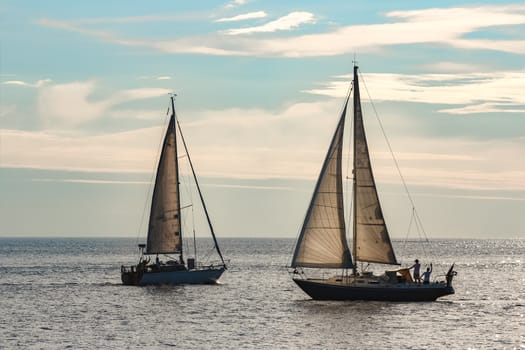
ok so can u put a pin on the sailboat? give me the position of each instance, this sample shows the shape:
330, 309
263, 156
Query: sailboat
322, 242
165, 227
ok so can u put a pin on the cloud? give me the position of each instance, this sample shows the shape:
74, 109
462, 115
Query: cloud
290, 21
449, 67
253, 187
243, 17
100, 34
159, 77
141, 114
456, 163
71, 104
132, 151
485, 108
37, 84
235, 3
430, 26
6, 110
214, 138
461, 196
466, 179
141, 19
289, 143
93, 181
136, 94
480, 92
445, 26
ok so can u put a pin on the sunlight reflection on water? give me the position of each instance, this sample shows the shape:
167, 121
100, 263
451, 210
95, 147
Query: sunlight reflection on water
66, 293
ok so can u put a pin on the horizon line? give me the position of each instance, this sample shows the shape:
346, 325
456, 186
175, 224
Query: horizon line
515, 236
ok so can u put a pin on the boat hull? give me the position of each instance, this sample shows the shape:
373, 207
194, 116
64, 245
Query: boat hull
324, 290
200, 276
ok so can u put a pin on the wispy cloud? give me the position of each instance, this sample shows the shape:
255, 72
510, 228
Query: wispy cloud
72, 104
450, 67
156, 77
460, 196
290, 21
270, 151
37, 84
235, 3
141, 19
94, 181
486, 108
6, 110
479, 92
132, 151
466, 179
446, 26
253, 187
243, 17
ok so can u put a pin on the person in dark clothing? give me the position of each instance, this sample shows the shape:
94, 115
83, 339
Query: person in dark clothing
416, 267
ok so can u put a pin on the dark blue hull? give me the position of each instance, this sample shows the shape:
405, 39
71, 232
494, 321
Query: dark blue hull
324, 290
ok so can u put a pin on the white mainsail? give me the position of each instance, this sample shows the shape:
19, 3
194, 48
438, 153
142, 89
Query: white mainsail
164, 231
322, 241
372, 242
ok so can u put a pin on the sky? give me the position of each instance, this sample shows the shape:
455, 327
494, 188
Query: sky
260, 85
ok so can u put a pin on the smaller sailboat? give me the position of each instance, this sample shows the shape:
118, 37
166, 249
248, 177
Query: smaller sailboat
165, 226
322, 242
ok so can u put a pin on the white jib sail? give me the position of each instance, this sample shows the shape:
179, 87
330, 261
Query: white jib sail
322, 241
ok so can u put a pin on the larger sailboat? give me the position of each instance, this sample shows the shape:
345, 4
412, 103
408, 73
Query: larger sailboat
322, 242
165, 226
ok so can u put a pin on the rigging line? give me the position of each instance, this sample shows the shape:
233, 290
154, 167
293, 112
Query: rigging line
420, 228
190, 192
194, 238
393, 157
151, 181
208, 254
187, 188
200, 195
413, 221
421, 224
409, 227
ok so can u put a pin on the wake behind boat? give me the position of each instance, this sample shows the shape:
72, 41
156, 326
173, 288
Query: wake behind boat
165, 227
322, 242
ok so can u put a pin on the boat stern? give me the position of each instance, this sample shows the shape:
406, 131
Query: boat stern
130, 277
450, 276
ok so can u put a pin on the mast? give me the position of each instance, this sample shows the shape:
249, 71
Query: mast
174, 115
201, 198
354, 177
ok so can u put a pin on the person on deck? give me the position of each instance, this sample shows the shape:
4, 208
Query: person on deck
426, 275
158, 262
416, 268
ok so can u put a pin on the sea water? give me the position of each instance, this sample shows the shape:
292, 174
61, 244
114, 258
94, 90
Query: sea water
61, 293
